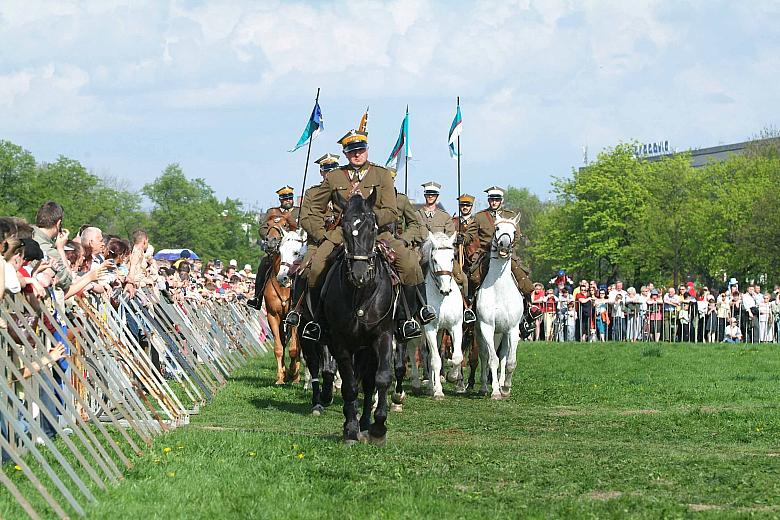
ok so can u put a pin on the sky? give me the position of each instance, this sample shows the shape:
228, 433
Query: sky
226, 88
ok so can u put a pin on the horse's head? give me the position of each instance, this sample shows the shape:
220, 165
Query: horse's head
439, 252
504, 236
273, 238
292, 248
358, 223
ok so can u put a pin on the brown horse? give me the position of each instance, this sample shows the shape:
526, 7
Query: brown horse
277, 304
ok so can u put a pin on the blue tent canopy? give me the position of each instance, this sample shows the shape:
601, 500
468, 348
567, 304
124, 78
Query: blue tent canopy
174, 254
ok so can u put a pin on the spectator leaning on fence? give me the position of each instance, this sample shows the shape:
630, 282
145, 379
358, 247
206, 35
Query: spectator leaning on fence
52, 238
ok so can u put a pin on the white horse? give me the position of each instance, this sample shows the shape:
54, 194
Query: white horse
499, 311
444, 296
292, 249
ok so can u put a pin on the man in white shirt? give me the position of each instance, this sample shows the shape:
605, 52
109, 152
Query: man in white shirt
732, 333
750, 315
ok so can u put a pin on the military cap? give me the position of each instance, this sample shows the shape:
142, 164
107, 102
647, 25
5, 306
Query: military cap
494, 192
431, 188
354, 140
466, 200
285, 192
393, 172
328, 162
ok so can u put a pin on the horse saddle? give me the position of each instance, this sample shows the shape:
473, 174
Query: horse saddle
386, 250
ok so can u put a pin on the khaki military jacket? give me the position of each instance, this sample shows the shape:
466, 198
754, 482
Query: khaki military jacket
483, 225
286, 218
436, 221
408, 226
370, 177
306, 214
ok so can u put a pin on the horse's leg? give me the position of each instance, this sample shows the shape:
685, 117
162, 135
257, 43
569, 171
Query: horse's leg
328, 365
378, 430
274, 325
503, 350
425, 363
349, 393
457, 354
488, 357
431, 333
473, 348
367, 367
311, 353
400, 372
412, 348
294, 372
511, 362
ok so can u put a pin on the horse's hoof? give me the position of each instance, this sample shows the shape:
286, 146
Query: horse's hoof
317, 410
279, 382
482, 391
378, 441
363, 437
460, 388
398, 398
505, 391
397, 407
438, 396
497, 396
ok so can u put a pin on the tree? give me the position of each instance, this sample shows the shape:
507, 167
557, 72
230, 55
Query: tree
17, 166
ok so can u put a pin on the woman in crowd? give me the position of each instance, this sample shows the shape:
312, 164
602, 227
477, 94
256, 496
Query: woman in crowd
585, 314
723, 309
711, 321
633, 315
655, 315
764, 313
602, 315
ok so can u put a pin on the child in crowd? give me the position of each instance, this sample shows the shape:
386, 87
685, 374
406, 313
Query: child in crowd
571, 322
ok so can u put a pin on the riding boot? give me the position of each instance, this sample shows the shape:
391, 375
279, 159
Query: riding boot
293, 318
262, 274
530, 314
408, 328
427, 314
312, 330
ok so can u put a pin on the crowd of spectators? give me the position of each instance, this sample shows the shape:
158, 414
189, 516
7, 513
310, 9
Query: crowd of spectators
48, 265
589, 312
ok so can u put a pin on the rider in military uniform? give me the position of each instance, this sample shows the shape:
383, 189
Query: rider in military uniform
286, 216
436, 220
364, 177
481, 228
327, 163
408, 227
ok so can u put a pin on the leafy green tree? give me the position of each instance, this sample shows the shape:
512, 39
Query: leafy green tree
17, 166
186, 213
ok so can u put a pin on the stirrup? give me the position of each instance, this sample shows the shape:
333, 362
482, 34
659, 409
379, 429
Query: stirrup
469, 316
409, 329
311, 331
526, 328
427, 314
293, 318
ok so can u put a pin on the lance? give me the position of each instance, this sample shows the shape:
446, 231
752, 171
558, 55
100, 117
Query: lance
306, 168
460, 221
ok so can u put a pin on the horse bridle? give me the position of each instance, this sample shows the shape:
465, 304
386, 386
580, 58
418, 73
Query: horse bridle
293, 267
434, 270
506, 250
370, 257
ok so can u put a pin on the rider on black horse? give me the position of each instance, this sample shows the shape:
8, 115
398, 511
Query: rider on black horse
362, 176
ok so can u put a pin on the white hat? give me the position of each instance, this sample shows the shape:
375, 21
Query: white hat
495, 192
233, 263
431, 188
248, 267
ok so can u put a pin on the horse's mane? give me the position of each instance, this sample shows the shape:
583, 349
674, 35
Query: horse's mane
435, 240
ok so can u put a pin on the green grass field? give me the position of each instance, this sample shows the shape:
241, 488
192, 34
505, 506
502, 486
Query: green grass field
598, 430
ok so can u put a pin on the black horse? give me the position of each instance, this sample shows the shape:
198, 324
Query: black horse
358, 306
316, 353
